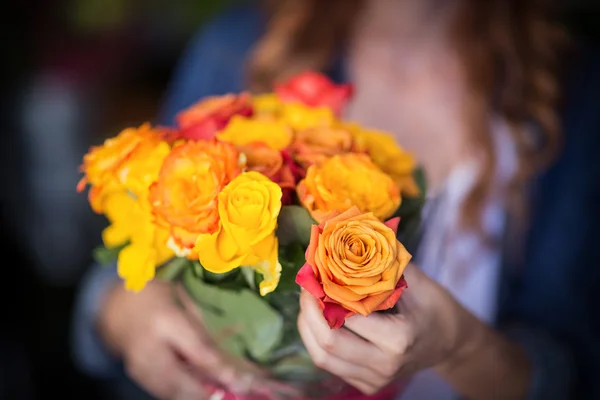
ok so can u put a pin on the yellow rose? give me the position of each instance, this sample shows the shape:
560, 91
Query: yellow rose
348, 180
132, 221
243, 131
248, 209
136, 266
120, 208
301, 117
266, 105
138, 261
391, 158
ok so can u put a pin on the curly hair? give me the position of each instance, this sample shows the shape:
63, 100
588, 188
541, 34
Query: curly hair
510, 50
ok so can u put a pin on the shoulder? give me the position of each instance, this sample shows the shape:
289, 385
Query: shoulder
236, 28
564, 211
223, 44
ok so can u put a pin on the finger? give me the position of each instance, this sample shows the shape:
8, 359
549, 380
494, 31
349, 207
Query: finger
418, 289
161, 373
191, 344
221, 368
196, 319
392, 334
339, 341
187, 385
332, 363
364, 387
413, 274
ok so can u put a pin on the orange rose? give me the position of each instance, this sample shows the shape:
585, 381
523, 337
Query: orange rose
348, 180
276, 165
185, 195
390, 157
354, 265
101, 164
261, 158
205, 118
315, 145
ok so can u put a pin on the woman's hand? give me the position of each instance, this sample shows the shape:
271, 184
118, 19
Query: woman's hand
431, 330
164, 348
371, 352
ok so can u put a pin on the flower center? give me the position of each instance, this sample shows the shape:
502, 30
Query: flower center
357, 247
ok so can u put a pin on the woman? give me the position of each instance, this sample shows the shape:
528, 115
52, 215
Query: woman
500, 304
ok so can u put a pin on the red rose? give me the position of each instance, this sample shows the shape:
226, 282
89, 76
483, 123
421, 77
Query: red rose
205, 118
290, 174
315, 90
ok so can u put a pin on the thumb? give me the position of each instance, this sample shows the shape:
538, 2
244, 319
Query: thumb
414, 275
382, 330
202, 355
189, 387
418, 288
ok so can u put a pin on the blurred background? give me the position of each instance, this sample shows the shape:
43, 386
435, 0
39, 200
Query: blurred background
75, 72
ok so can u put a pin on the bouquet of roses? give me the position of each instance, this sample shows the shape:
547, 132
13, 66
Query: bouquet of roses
247, 199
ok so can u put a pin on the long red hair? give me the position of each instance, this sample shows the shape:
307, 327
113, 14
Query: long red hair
510, 50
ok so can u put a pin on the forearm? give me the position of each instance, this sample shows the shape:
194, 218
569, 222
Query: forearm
488, 366
89, 350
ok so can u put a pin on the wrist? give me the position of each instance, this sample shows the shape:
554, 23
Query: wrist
107, 320
485, 359
470, 339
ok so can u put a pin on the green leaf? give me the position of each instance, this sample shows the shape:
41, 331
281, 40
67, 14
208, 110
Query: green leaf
104, 255
292, 255
413, 205
211, 277
291, 258
198, 269
294, 226
225, 334
297, 367
421, 179
173, 269
409, 231
410, 213
291, 345
287, 303
241, 321
250, 276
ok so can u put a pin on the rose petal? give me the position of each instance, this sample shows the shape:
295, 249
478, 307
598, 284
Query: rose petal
394, 297
306, 279
337, 97
335, 314
393, 224
202, 131
315, 90
335, 216
315, 231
